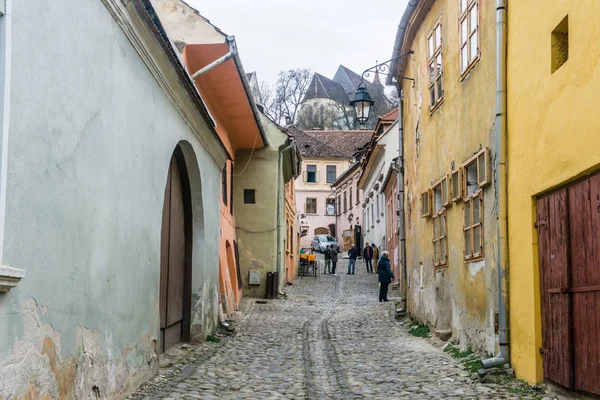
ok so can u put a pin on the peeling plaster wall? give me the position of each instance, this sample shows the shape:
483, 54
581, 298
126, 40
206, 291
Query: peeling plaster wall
462, 297
92, 133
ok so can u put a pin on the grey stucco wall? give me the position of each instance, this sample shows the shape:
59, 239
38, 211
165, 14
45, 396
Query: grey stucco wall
91, 136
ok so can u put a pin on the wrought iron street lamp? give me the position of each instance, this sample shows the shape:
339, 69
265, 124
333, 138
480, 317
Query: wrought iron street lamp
362, 101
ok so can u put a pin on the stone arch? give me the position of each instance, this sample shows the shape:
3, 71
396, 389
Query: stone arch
175, 295
197, 235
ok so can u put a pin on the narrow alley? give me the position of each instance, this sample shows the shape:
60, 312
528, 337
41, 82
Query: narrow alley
328, 339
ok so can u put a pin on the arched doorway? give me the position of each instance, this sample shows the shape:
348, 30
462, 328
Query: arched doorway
175, 256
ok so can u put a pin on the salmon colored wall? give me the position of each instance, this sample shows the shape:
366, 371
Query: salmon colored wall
230, 294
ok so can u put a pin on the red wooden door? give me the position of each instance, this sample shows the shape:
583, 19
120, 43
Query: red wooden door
554, 276
584, 224
172, 269
569, 253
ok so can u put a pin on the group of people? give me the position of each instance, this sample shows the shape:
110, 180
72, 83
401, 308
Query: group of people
370, 254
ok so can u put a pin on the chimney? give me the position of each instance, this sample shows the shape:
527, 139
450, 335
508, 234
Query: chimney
288, 120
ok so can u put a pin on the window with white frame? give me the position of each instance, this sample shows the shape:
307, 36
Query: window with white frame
345, 202
434, 62
469, 34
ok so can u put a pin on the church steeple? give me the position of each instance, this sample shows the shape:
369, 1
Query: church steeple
376, 80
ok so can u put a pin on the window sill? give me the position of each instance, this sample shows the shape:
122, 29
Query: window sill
476, 258
436, 106
463, 75
310, 214
10, 278
440, 266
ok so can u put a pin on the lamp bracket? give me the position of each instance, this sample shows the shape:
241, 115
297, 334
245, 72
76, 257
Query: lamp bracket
383, 67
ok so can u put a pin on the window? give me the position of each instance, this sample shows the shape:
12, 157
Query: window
249, 196
473, 226
224, 183
426, 203
311, 175
456, 183
440, 241
331, 173
330, 206
345, 203
475, 172
560, 44
339, 207
311, 206
440, 196
377, 200
434, 57
350, 197
231, 189
357, 194
469, 34
372, 216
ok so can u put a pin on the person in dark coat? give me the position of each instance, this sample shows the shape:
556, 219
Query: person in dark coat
352, 255
327, 254
386, 276
333, 253
368, 257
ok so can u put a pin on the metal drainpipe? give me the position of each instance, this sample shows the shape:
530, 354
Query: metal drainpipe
503, 356
400, 187
232, 53
280, 204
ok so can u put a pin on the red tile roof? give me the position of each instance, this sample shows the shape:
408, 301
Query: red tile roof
346, 142
391, 116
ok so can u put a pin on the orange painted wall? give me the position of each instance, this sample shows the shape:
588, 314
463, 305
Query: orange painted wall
291, 242
230, 292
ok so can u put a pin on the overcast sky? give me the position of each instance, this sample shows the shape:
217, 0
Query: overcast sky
274, 35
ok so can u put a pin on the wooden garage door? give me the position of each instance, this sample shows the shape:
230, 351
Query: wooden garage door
172, 269
568, 226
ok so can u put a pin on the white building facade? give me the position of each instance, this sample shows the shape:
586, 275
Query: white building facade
376, 164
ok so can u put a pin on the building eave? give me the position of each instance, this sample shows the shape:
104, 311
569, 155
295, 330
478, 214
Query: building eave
146, 12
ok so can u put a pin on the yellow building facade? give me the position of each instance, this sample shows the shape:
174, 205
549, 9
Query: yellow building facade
449, 113
553, 140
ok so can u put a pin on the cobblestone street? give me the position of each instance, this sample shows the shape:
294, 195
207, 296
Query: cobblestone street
329, 338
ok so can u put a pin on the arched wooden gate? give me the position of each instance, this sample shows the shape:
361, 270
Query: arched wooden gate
175, 258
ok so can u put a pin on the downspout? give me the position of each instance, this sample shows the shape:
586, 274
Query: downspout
5, 122
400, 185
232, 53
502, 188
280, 203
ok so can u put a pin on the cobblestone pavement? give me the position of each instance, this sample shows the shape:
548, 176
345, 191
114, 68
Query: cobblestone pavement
329, 338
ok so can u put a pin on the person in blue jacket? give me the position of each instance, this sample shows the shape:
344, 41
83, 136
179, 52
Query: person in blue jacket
386, 276
352, 256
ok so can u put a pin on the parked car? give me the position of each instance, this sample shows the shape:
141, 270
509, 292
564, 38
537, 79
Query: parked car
320, 242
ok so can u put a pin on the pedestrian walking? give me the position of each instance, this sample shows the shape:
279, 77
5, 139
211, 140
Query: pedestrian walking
334, 258
352, 256
327, 254
386, 276
375, 256
368, 257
